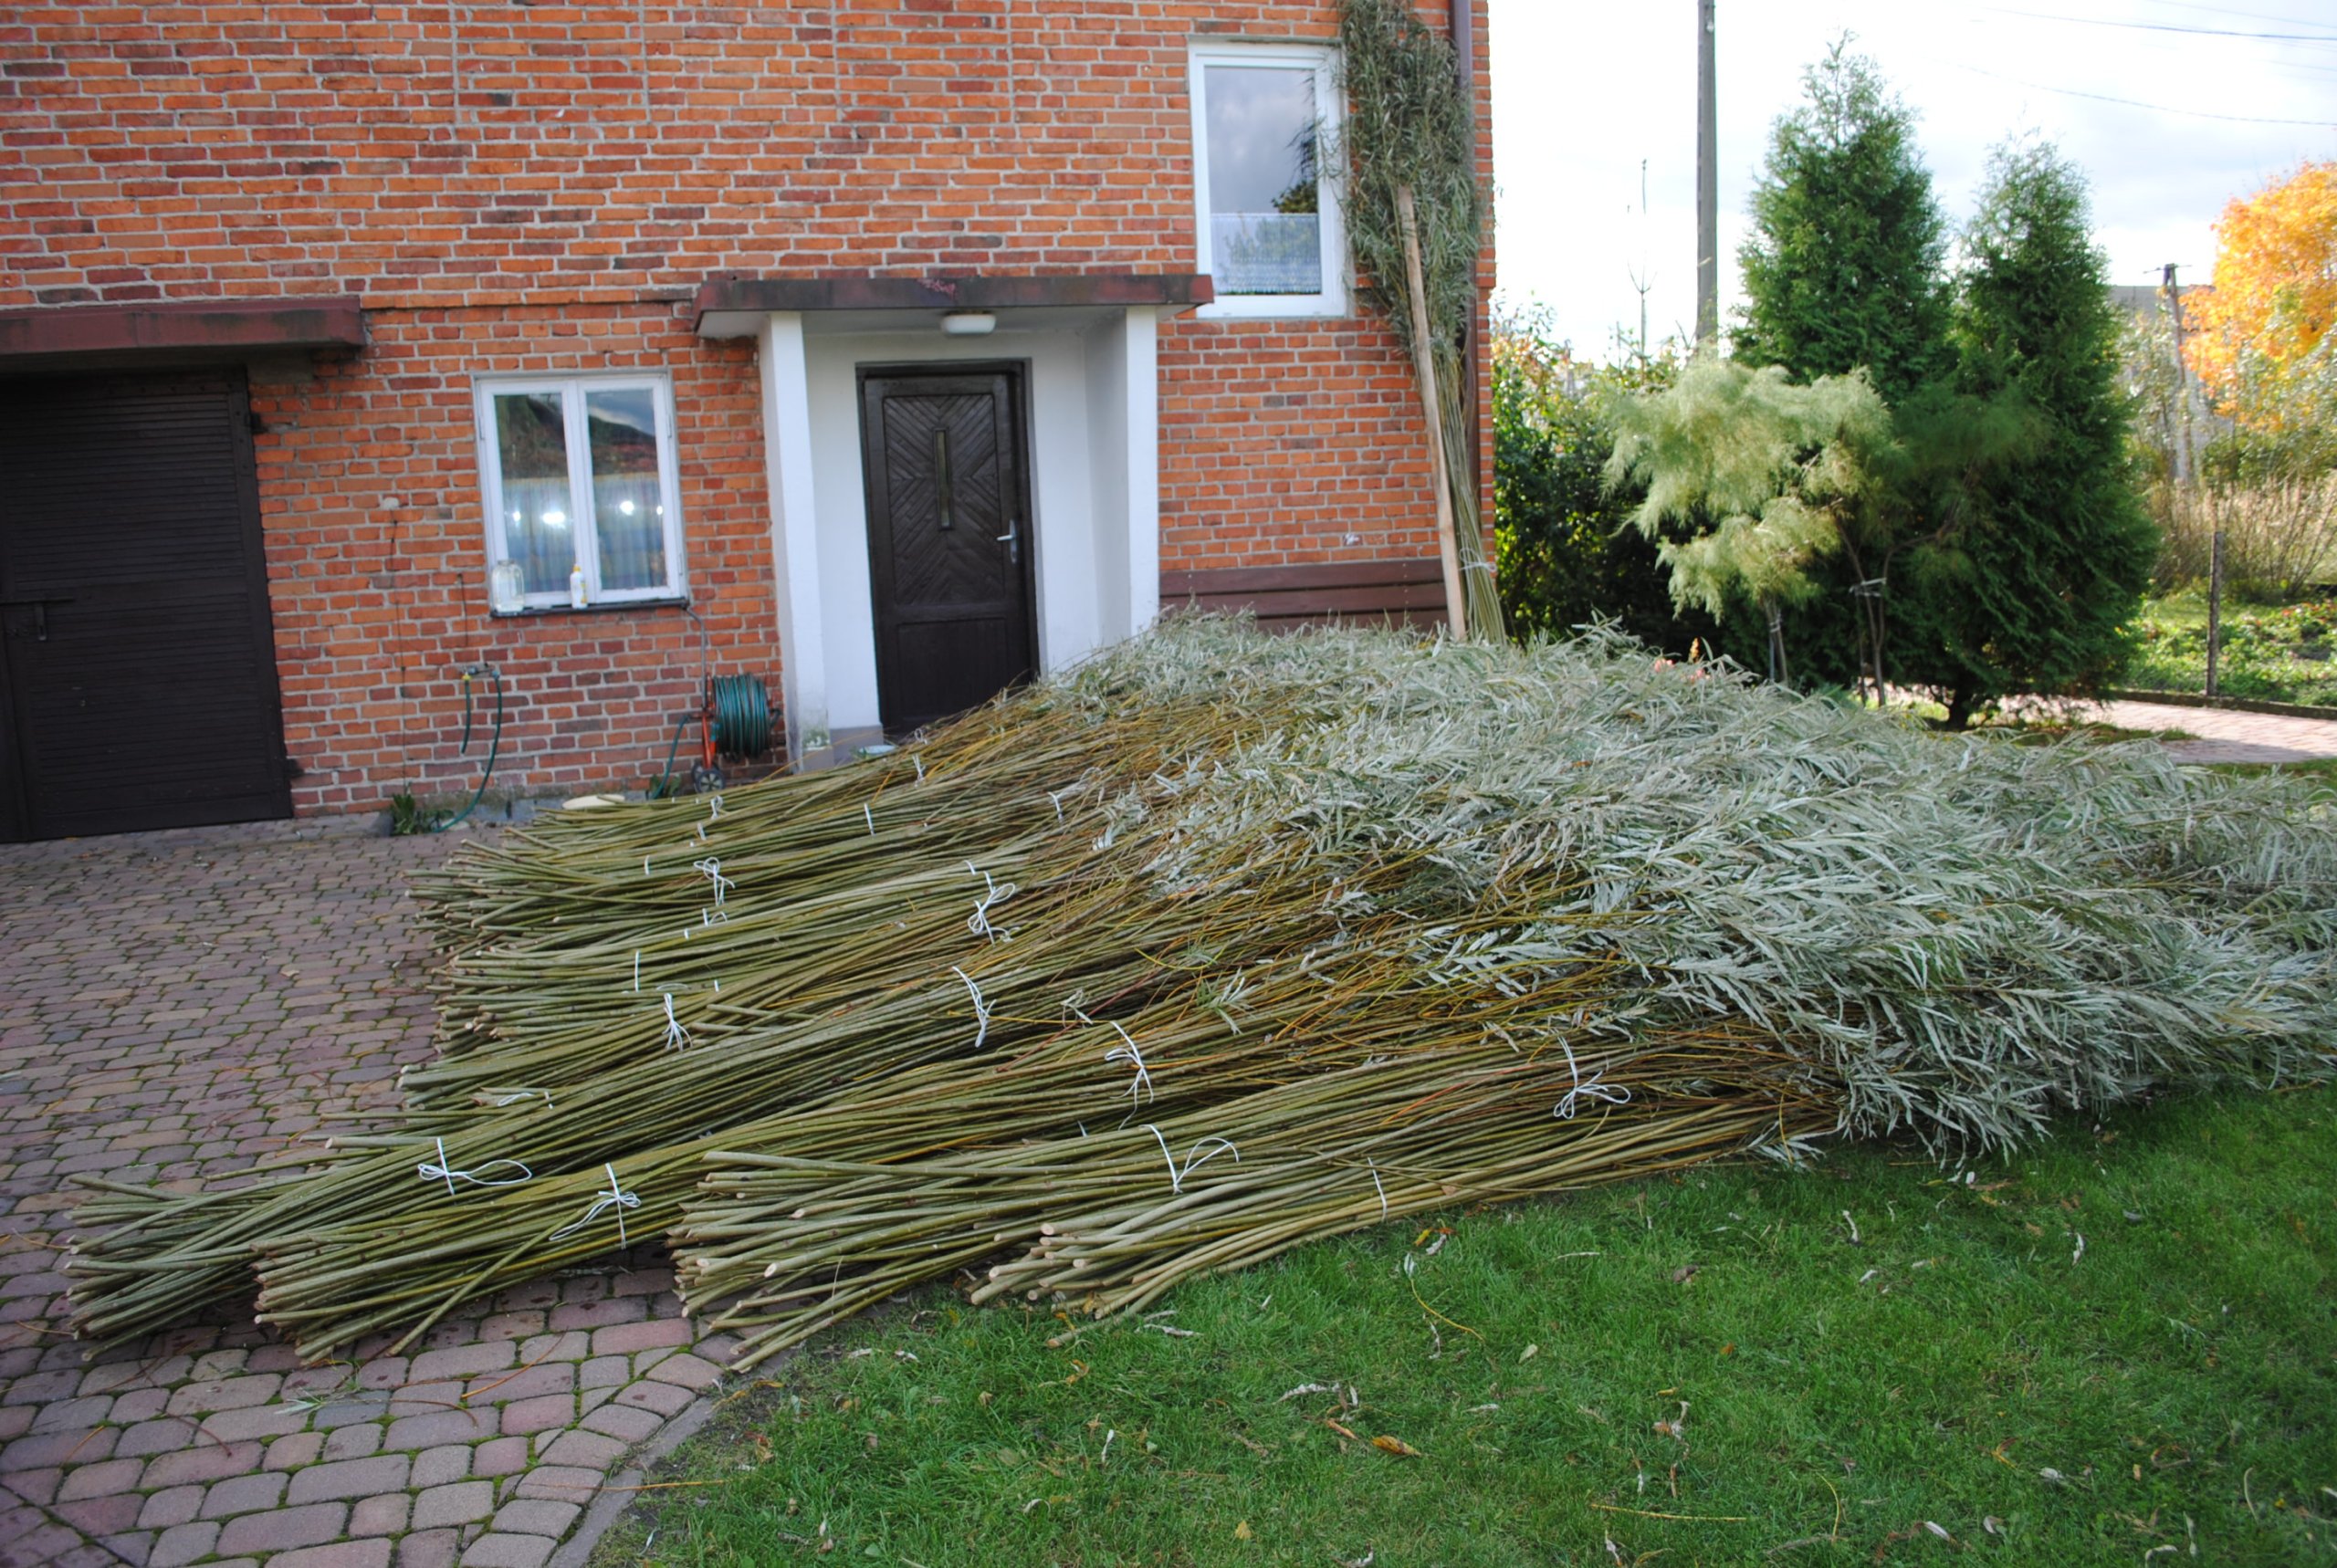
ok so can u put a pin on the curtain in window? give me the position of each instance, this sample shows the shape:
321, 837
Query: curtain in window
538, 512
628, 500
1265, 228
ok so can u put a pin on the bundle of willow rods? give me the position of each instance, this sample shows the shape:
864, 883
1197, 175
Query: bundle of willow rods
1224, 942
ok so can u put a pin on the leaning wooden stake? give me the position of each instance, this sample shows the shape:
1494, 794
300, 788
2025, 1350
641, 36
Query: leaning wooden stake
1448, 544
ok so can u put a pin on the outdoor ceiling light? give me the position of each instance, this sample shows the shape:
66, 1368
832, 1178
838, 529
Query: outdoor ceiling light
969, 323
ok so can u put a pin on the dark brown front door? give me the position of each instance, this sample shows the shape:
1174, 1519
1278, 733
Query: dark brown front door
949, 537
137, 661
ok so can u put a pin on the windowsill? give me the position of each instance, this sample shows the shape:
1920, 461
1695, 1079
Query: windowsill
671, 601
1271, 308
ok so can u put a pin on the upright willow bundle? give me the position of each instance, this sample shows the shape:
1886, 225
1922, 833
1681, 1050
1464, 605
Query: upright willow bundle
1415, 217
1224, 942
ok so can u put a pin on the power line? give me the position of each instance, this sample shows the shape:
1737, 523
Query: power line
2228, 11
2137, 103
2164, 26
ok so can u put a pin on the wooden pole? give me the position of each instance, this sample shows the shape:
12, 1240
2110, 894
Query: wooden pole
2215, 607
1707, 179
1447, 546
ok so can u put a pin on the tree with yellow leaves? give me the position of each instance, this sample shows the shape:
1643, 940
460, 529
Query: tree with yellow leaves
2263, 346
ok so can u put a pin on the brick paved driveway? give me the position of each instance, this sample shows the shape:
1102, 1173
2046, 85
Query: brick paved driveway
173, 1005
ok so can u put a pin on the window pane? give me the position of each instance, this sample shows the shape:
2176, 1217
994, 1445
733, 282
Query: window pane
1265, 233
532, 442
628, 502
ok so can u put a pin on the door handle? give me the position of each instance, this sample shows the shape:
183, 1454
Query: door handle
39, 608
1013, 539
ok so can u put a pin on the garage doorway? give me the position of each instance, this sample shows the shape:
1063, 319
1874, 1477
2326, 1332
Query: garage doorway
138, 683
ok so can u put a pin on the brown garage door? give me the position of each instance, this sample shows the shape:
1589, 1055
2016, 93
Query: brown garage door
137, 664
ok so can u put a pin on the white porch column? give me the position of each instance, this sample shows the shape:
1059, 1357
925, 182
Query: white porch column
795, 529
1142, 435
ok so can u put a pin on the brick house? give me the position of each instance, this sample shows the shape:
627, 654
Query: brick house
888, 351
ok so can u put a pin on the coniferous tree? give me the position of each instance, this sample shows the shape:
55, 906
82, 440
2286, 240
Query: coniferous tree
1843, 270
2058, 549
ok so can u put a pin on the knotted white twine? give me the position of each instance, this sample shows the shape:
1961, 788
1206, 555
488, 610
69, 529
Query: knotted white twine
1134, 1057
518, 1095
711, 869
979, 922
677, 1037
982, 1009
442, 1171
1378, 1188
617, 1196
1594, 1089
1193, 1156
714, 806
870, 816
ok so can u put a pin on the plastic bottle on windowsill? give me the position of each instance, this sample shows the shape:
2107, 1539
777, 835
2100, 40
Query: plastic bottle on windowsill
576, 586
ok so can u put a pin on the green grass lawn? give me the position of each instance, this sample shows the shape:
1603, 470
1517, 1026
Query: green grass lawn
2112, 1348
2259, 650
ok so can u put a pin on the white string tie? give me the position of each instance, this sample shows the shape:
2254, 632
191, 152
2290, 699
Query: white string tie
1593, 1090
870, 816
514, 1098
677, 1037
714, 806
614, 1197
1193, 1156
636, 969
645, 865
918, 763
1134, 1057
982, 1009
1378, 1188
711, 869
442, 1171
701, 832
1056, 801
979, 922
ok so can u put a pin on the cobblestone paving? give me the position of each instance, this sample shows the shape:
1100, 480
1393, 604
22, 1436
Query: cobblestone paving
174, 1007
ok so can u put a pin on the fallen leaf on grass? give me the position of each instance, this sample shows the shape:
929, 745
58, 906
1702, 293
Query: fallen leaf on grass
1242, 1531
1682, 1275
1397, 1446
1342, 1431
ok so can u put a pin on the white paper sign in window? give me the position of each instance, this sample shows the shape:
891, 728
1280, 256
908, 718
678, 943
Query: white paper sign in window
579, 474
1265, 117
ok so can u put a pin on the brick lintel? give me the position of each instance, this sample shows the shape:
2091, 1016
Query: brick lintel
227, 329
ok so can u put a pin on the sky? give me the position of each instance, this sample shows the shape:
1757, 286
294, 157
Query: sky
1584, 92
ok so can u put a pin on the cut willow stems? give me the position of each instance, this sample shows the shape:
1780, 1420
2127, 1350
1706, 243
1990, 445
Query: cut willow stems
1371, 910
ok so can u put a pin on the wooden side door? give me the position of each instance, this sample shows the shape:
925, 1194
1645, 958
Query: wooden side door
137, 685
949, 538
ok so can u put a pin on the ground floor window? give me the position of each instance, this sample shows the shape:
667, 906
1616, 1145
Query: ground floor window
579, 475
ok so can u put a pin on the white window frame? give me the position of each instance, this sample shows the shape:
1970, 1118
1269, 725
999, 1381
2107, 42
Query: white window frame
572, 391
1321, 59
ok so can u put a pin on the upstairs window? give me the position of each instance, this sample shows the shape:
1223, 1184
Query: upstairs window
580, 476
1265, 117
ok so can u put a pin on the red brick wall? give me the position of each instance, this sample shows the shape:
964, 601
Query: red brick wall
511, 185
377, 560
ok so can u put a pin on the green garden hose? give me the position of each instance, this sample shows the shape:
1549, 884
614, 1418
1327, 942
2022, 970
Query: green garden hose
495, 741
742, 716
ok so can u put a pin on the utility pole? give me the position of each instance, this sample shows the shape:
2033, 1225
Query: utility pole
2182, 433
1707, 180
1642, 278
